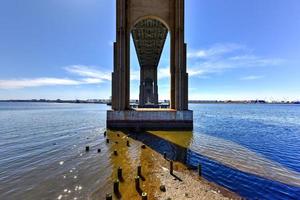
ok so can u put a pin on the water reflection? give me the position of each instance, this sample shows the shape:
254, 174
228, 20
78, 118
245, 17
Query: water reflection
174, 151
232, 155
226, 163
128, 158
41, 143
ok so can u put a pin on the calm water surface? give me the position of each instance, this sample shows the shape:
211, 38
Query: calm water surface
253, 150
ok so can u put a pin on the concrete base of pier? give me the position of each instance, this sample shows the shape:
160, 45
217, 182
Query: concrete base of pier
150, 119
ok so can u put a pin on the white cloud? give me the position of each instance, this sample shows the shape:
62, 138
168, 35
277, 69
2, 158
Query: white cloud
86, 75
91, 81
37, 82
255, 61
134, 75
217, 59
251, 78
88, 71
163, 72
215, 50
222, 57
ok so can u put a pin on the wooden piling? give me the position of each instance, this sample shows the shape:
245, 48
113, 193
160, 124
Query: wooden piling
128, 143
144, 196
137, 183
115, 152
199, 170
108, 197
107, 141
139, 171
120, 173
87, 148
165, 155
116, 187
171, 167
99, 150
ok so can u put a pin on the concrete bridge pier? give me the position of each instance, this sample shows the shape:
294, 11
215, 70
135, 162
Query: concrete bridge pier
149, 22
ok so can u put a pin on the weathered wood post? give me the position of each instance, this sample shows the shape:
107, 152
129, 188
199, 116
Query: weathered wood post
199, 170
171, 167
108, 197
115, 152
120, 173
116, 187
137, 183
144, 196
139, 171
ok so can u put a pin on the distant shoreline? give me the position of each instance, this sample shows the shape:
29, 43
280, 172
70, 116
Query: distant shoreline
106, 101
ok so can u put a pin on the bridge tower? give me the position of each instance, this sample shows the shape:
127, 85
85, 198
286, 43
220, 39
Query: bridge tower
149, 22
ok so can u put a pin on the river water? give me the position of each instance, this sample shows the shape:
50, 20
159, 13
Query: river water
253, 150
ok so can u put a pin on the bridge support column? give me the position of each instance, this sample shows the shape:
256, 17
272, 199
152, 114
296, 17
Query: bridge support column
171, 14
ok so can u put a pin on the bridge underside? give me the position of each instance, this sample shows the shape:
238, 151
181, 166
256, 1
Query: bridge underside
149, 36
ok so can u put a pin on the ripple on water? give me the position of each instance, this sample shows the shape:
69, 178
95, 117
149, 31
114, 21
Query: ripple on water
251, 149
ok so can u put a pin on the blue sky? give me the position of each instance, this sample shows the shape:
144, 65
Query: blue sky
237, 49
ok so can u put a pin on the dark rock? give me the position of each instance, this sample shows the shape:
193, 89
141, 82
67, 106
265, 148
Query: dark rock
162, 188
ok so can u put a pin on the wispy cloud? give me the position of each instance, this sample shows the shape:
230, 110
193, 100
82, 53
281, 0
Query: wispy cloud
215, 50
85, 75
163, 72
216, 59
222, 57
201, 63
134, 75
36, 82
251, 78
89, 72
